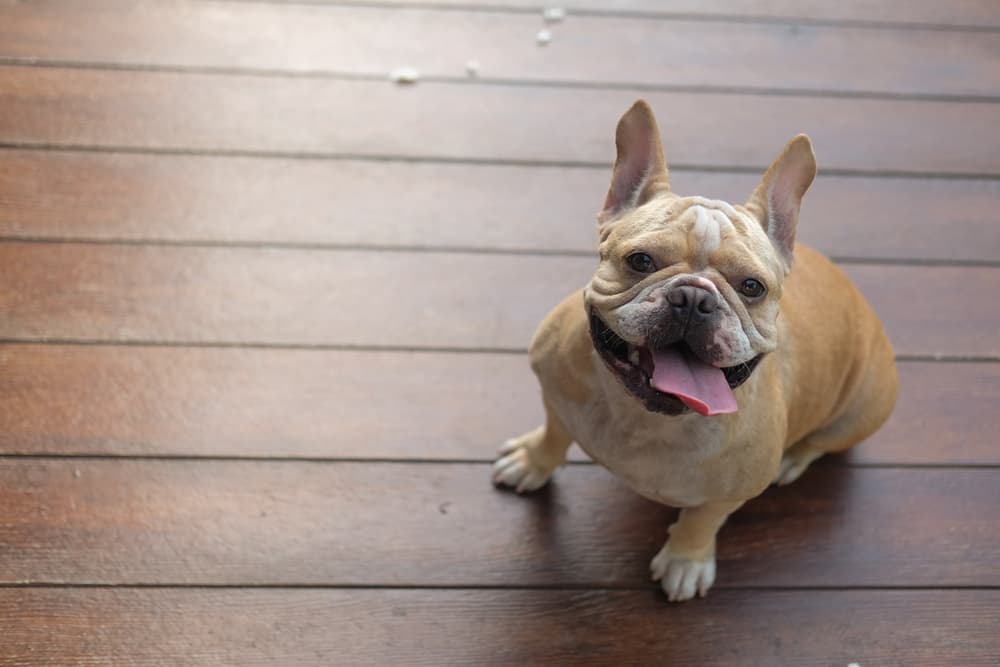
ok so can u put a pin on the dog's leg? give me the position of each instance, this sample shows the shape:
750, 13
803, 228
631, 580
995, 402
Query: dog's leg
798, 457
528, 461
686, 563
871, 405
861, 420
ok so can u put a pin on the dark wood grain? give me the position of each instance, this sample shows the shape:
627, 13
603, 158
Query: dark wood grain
945, 415
399, 299
163, 110
132, 530
66, 400
181, 198
370, 405
226, 522
376, 40
295, 628
970, 13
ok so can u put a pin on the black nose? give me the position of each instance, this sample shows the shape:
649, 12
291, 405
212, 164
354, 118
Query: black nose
687, 301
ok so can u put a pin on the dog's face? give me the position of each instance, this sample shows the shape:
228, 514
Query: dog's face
685, 301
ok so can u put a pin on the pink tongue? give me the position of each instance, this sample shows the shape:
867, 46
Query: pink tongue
703, 388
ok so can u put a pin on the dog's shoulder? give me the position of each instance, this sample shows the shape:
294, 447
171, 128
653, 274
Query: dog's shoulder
561, 353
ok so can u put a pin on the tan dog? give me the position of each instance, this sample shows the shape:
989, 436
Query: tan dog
694, 365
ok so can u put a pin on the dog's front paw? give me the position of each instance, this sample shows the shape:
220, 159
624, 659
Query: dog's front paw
515, 468
682, 578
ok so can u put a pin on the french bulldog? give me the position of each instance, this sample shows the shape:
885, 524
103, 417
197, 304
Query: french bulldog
709, 356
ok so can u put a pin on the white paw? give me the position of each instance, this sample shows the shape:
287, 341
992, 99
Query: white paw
790, 470
682, 578
514, 468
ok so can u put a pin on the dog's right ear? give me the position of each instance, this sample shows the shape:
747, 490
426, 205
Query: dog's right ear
776, 201
640, 171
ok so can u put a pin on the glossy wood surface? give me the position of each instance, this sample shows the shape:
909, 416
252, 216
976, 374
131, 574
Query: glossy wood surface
165, 628
524, 208
263, 316
419, 300
182, 401
976, 14
373, 41
334, 524
175, 111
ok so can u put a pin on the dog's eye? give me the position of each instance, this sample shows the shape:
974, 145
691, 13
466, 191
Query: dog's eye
752, 288
641, 262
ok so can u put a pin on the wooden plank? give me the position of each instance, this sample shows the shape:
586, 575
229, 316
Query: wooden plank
182, 198
938, 417
274, 523
396, 299
370, 405
171, 111
163, 628
205, 402
979, 14
376, 40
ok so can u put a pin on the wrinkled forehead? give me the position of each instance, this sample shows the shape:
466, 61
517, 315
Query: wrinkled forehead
698, 229
707, 219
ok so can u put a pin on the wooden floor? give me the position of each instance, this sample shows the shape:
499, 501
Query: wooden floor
263, 318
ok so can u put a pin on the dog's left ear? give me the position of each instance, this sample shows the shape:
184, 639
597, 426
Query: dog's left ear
640, 171
777, 199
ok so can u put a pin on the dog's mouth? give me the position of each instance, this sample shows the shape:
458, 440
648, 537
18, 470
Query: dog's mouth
671, 380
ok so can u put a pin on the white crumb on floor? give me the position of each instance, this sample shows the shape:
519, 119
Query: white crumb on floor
553, 14
854, 664
472, 68
404, 75
543, 37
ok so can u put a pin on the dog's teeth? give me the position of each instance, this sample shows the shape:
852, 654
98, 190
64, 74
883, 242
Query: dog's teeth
633, 356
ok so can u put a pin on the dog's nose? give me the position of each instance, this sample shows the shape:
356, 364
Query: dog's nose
690, 301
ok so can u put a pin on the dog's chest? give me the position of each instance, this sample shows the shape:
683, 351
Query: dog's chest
659, 458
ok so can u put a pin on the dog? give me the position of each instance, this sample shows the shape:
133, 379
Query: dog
709, 356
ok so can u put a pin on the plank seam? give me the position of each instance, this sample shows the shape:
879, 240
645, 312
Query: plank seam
337, 75
35, 147
444, 249
351, 460
473, 161
252, 345
644, 14
481, 587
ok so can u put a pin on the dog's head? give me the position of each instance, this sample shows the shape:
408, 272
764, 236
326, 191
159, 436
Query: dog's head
685, 301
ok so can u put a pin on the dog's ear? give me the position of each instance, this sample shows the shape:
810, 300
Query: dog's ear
776, 200
640, 171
